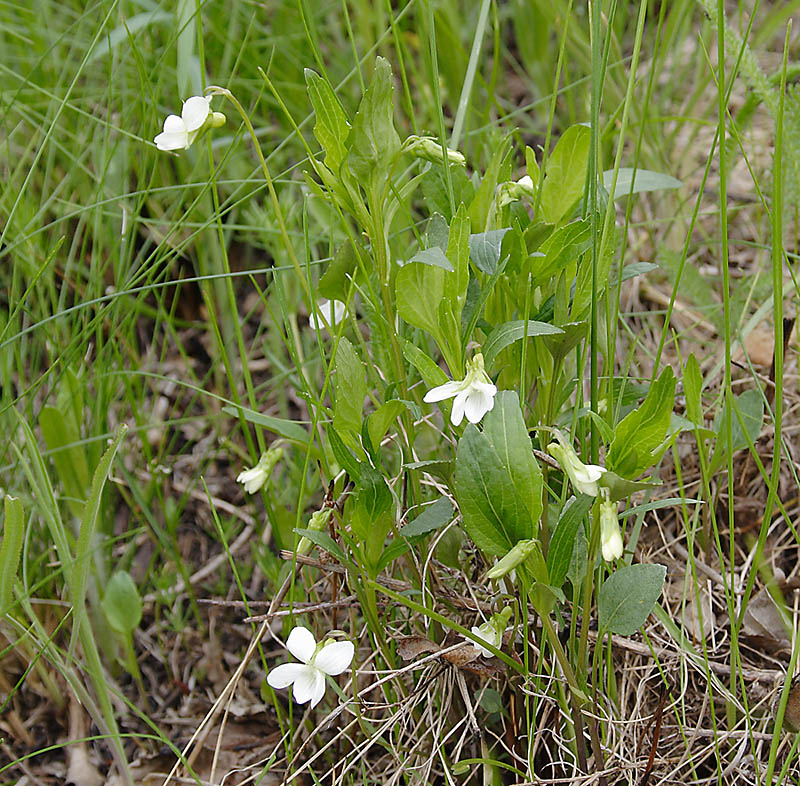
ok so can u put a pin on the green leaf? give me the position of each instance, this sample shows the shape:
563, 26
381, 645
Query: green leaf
750, 405
63, 440
284, 428
122, 604
498, 171
432, 518
432, 256
561, 248
572, 333
485, 247
565, 173
351, 388
420, 289
628, 596
437, 232
509, 332
562, 542
458, 252
372, 499
324, 541
10, 549
619, 488
336, 282
431, 374
641, 432
331, 128
498, 482
577, 563
383, 417
396, 548
435, 192
692, 390
531, 166
346, 460
637, 269
374, 144
642, 180
84, 548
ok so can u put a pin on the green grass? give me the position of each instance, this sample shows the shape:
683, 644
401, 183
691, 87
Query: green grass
170, 294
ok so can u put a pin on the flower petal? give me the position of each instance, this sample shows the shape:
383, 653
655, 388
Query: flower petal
441, 392
284, 675
612, 545
328, 314
459, 405
195, 112
301, 643
334, 658
170, 141
174, 136
309, 686
478, 403
174, 125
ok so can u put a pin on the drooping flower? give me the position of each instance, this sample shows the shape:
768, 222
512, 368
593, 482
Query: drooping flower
329, 314
253, 479
307, 678
610, 536
584, 477
196, 115
491, 632
515, 190
473, 395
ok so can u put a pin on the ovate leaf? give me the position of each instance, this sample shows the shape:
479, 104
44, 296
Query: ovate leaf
484, 248
640, 433
628, 596
565, 173
420, 289
122, 604
351, 388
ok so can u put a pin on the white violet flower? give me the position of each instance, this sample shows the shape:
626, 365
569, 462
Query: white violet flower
610, 536
329, 314
316, 661
180, 132
473, 395
584, 477
515, 190
491, 632
253, 479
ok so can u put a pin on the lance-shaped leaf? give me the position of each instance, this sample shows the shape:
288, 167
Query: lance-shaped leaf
374, 143
498, 482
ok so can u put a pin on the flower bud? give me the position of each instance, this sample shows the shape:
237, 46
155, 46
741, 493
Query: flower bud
317, 522
429, 149
518, 554
253, 479
515, 190
584, 477
492, 632
610, 536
